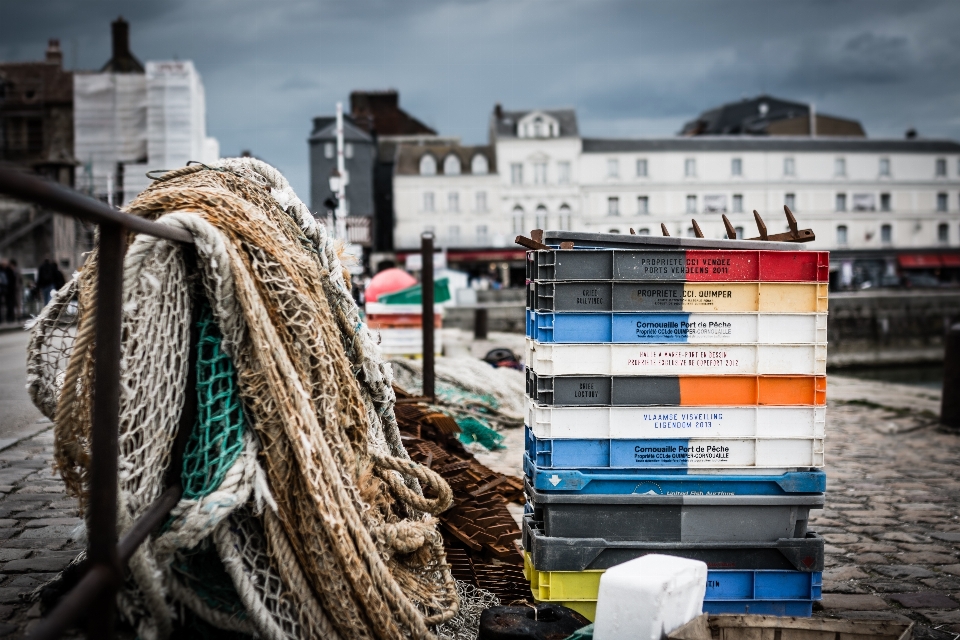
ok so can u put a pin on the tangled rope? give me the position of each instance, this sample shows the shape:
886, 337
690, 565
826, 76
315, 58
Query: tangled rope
297, 487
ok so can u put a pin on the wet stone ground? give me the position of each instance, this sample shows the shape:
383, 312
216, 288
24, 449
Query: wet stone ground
892, 522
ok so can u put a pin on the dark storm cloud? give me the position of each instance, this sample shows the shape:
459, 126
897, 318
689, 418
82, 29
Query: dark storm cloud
630, 67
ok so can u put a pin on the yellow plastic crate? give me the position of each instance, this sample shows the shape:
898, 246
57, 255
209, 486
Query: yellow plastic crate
562, 586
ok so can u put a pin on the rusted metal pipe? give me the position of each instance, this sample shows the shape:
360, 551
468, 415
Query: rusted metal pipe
52, 195
426, 299
102, 534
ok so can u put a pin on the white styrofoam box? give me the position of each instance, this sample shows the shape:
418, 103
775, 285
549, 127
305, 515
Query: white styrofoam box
549, 359
405, 341
675, 422
647, 598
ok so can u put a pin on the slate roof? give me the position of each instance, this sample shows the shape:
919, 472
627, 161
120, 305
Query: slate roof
409, 154
325, 128
504, 123
770, 143
753, 117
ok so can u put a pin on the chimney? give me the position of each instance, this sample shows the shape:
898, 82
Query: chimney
121, 38
54, 54
498, 111
813, 120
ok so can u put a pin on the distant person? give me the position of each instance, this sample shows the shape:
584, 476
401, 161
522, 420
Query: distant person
49, 279
4, 286
14, 284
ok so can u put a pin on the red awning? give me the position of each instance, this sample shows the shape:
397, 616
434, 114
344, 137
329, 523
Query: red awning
499, 255
919, 260
950, 259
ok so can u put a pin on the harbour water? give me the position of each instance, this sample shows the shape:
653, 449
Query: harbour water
921, 375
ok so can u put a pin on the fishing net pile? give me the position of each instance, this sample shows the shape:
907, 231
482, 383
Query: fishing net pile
302, 516
482, 399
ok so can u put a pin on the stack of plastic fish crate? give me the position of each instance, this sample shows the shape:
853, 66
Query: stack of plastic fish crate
676, 398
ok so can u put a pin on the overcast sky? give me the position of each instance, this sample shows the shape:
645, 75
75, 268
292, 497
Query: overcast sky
629, 67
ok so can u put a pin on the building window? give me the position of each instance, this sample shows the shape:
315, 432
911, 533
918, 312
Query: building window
941, 202
885, 167
643, 232
941, 167
691, 204
453, 201
739, 231
790, 200
428, 201
453, 234
348, 150
643, 205
428, 165
886, 234
690, 167
943, 233
539, 173
451, 165
328, 150
565, 216
840, 167
613, 206
518, 220
691, 233
481, 234
541, 217
864, 202
642, 168
885, 202
789, 167
481, 200
563, 172
516, 173
613, 168
841, 202
479, 165
736, 167
738, 203
715, 203
842, 235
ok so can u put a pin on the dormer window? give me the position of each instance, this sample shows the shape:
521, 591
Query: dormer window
479, 165
428, 165
538, 125
451, 165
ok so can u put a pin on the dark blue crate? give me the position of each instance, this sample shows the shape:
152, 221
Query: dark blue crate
670, 481
796, 608
763, 585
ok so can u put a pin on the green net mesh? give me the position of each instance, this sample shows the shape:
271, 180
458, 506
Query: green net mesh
201, 570
217, 437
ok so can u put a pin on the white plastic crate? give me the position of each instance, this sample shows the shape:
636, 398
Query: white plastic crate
675, 422
549, 359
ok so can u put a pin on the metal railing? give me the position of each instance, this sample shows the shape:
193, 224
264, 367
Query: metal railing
94, 596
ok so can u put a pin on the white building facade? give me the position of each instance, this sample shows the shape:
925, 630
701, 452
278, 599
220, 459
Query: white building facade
860, 196
129, 123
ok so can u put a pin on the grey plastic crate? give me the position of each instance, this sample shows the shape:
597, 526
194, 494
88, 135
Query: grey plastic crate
605, 296
666, 518
621, 241
582, 554
619, 391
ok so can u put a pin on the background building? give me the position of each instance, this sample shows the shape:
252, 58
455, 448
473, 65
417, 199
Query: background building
889, 210
36, 135
130, 119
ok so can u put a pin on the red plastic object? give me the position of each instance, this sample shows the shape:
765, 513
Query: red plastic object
752, 266
388, 281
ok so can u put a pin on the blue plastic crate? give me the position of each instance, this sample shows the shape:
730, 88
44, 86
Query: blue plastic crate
672, 453
671, 482
796, 609
671, 328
